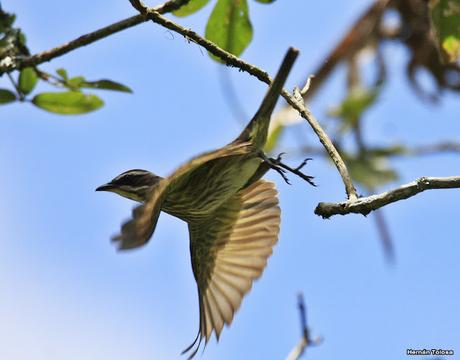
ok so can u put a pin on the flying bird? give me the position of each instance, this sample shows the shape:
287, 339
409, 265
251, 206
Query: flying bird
232, 214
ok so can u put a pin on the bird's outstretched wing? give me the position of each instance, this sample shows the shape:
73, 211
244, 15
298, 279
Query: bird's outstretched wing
138, 230
229, 251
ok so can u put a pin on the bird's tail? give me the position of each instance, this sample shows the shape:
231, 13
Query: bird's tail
257, 129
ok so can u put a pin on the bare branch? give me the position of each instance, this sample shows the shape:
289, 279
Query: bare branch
90, 38
367, 204
230, 59
153, 14
358, 34
385, 236
305, 341
442, 147
298, 103
295, 101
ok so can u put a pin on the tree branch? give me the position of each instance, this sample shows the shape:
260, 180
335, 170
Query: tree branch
367, 204
298, 103
354, 40
154, 14
442, 147
295, 100
305, 341
89, 38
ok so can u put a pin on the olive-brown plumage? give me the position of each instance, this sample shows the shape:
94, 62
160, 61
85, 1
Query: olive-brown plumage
233, 216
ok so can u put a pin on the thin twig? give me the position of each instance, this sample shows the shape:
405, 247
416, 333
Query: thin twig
442, 147
367, 204
298, 103
385, 236
232, 60
305, 341
90, 37
231, 96
16, 87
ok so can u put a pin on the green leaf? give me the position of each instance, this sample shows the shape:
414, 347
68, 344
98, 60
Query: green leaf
266, 1
70, 102
62, 73
6, 96
229, 26
445, 20
27, 80
75, 83
190, 8
106, 85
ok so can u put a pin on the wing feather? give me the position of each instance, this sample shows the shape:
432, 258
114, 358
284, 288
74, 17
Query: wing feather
230, 250
138, 230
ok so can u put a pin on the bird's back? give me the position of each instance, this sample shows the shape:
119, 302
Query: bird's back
206, 188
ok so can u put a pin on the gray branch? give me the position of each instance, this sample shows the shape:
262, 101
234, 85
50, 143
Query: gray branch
367, 204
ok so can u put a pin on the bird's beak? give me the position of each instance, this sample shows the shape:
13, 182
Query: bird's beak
105, 187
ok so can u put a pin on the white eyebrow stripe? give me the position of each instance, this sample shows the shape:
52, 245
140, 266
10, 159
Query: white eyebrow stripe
131, 173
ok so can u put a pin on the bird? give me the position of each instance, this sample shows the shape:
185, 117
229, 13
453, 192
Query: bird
233, 215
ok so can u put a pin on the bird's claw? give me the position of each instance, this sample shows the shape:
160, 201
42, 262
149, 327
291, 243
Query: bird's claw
303, 164
281, 168
281, 172
295, 171
275, 165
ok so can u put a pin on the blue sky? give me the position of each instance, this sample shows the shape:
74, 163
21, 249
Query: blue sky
67, 294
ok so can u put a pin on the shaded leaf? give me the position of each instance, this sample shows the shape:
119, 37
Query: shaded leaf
27, 80
106, 85
190, 8
71, 102
62, 73
353, 106
283, 119
22, 38
371, 171
387, 151
445, 21
6, 96
273, 138
6, 21
229, 26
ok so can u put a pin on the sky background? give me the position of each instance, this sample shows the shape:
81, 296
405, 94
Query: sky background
67, 294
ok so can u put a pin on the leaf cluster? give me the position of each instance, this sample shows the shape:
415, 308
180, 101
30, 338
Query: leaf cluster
72, 100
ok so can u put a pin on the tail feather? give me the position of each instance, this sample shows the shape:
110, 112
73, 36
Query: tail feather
257, 129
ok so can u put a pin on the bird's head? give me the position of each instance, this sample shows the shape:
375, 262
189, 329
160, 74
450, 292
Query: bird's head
132, 184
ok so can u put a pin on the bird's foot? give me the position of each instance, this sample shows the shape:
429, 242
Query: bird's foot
296, 171
275, 165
